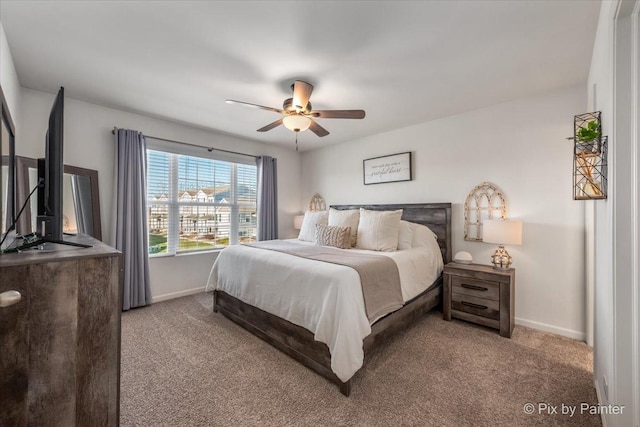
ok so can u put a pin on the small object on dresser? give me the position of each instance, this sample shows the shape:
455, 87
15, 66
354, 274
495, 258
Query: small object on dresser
463, 257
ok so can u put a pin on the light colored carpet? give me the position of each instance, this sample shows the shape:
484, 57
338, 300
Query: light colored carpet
183, 365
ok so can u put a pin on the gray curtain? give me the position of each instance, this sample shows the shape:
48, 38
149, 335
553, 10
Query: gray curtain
267, 198
131, 215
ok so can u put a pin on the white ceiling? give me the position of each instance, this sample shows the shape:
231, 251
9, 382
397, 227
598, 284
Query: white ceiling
402, 62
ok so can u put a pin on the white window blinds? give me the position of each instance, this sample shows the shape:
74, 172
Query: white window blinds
197, 203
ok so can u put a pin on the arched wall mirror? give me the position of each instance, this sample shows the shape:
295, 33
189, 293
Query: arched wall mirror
7, 147
80, 198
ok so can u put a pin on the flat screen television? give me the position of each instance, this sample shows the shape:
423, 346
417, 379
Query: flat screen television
50, 174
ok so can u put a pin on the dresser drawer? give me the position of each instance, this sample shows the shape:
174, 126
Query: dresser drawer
475, 288
477, 306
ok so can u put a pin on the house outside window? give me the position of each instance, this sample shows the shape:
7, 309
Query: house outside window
198, 203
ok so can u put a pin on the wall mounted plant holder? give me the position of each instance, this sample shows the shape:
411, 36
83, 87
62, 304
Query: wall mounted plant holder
589, 158
590, 171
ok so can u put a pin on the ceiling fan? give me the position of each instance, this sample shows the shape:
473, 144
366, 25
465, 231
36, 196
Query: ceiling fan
298, 113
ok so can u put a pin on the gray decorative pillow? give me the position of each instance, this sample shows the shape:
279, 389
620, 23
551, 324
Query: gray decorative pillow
339, 237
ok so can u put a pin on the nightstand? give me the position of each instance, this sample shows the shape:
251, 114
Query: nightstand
480, 294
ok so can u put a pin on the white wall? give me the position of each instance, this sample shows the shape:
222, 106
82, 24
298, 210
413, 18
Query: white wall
600, 75
519, 146
90, 144
600, 99
9, 79
616, 304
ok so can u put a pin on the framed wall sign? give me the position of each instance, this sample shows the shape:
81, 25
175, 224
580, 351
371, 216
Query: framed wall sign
392, 168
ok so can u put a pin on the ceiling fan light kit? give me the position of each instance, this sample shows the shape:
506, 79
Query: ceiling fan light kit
296, 123
298, 113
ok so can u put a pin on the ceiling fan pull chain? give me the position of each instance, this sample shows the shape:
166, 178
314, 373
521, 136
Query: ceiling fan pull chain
296, 141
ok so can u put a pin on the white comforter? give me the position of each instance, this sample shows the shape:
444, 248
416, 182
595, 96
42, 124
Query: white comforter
322, 297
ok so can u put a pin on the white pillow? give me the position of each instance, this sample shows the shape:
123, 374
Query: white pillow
348, 218
311, 219
378, 230
422, 236
405, 235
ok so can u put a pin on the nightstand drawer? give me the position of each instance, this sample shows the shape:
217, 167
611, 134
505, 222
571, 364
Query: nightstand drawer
475, 288
477, 306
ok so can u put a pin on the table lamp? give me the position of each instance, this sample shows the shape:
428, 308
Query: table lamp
297, 221
503, 232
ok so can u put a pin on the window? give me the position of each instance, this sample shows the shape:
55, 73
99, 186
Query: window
197, 203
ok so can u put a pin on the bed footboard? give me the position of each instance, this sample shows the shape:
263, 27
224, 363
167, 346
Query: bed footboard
291, 339
299, 343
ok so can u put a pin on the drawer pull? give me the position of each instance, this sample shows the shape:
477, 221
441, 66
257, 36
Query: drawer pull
475, 288
9, 298
470, 304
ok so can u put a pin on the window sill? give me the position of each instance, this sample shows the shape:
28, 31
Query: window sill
181, 254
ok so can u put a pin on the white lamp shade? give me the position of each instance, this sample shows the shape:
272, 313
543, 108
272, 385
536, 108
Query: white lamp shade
296, 123
297, 221
502, 232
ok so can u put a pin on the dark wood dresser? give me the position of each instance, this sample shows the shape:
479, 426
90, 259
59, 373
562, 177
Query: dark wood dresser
480, 294
60, 343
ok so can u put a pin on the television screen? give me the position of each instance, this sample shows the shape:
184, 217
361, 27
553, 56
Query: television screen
51, 170
49, 224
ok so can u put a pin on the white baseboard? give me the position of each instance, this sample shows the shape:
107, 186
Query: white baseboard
599, 397
580, 336
576, 335
172, 295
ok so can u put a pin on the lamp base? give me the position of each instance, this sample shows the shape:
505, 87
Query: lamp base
501, 259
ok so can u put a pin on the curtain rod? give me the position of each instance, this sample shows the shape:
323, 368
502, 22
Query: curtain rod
209, 149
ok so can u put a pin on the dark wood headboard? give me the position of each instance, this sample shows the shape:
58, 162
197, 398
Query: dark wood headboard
436, 216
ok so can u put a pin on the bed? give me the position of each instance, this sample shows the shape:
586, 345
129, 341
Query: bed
252, 304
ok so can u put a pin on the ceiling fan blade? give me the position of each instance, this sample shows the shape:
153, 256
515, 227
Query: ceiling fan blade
262, 107
338, 114
301, 93
317, 129
270, 126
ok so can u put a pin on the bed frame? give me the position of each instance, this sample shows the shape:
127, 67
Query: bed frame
299, 343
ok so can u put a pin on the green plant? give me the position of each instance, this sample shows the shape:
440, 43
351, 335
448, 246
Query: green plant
591, 132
